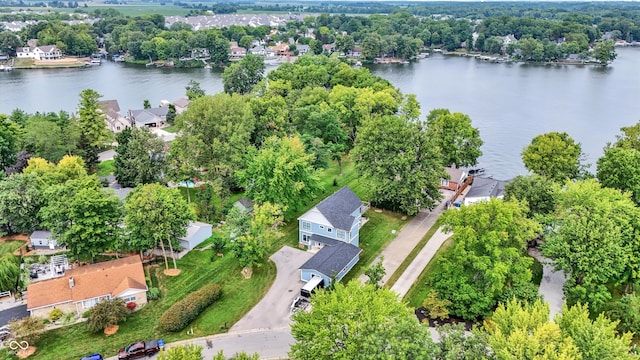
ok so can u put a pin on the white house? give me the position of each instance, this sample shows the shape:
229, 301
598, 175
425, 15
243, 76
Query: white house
44, 52
42, 239
197, 232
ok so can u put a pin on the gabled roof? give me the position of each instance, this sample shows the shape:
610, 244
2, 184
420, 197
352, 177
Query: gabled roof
40, 234
91, 281
332, 258
246, 203
193, 228
110, 105
455, 174
182, 102
485, 187
337, 208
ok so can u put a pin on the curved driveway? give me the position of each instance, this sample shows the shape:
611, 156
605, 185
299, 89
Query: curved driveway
273, 310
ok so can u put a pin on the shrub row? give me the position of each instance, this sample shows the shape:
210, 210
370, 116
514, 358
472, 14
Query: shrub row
182, 313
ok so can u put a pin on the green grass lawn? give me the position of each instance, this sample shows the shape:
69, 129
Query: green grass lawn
239, 296
419, 291
105, 168
172, 129
9, 246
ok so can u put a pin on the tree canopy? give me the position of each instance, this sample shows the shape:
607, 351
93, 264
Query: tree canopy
91, 123
242, 76
487, 261
457, 140
554, 155
356, 321
139, 157
537, 192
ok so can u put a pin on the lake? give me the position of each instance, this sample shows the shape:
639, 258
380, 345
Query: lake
509, 103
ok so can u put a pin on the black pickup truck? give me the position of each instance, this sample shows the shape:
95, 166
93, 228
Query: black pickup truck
138, 350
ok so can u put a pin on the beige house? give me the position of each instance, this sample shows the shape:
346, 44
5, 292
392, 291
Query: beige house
82, 288
115, 121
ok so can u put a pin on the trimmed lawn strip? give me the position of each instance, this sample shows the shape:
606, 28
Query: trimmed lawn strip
419, 290
238, 297
171, 129
412, 255
105, 168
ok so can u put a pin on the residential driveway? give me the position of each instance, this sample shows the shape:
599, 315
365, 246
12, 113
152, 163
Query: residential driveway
17, 312
273, 310
106, 155
552, 284
164, 135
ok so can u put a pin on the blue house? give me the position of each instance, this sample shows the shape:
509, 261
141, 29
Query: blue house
332, 229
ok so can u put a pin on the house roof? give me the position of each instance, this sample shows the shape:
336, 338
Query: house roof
91, 281
332, 258
193, 228
48, 48
245, 202
110, 105
338, 207
40, 234
455, 174
182, 102
485, 187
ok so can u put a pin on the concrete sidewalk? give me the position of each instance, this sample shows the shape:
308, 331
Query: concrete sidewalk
409, 276
552, 284
398, 250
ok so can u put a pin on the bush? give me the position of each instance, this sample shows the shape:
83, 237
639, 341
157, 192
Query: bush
107, 313
86, 314
153, 293
131, 306
28, 329
182, 313
55, 314
68, 318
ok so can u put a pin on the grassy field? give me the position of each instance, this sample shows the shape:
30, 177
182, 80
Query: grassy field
9, 246
171, 129
105, 168
239, 295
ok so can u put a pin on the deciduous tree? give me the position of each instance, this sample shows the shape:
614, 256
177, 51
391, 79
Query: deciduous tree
182, 352
108, 312
240, 77
488, 259
356, 321
139, 157
619, 168
156, 215
537, 192
281, 173
605, 52
91, 123
9, 271
457, 140
400, 164
20, 201
554, 155
9, 141
194, 90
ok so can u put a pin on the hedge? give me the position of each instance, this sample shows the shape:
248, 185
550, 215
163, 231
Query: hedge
182, 313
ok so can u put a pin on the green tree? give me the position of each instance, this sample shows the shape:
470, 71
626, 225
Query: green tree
626, 312
375, 273
146, 104
28, 329
246, 41
605, 52
139, 157
48, 139
91, 123
456, 344
82, 216
596, 339
107, 313
400, 164
593, 239
171, 114
554, 155
458, 142
242, 76
182, 352
356, 321
10, 138
9, 42
194, 90
488, 259
619, 168
239, 356
9, 272
156, 215
520, 330
435, 307
20, 202
215, 134
537, 192
281, 173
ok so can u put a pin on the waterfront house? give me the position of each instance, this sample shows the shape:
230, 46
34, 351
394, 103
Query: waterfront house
258, 50
115, 121
483, 189
355, 53
331, 229
181, 105
44, 52
455, 180
81, 288
328, 48
153, 117
236, 52
197, 232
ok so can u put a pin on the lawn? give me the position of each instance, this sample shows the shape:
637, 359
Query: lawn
171, 129
9, 246
239, 296
419, 291
106, 168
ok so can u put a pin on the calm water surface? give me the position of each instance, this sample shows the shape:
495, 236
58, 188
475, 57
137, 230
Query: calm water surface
509, 103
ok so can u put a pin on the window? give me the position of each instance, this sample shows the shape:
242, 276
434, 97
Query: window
321, 226
306, 225
88, 304
128, 299
329, 229
306, 238
342, 235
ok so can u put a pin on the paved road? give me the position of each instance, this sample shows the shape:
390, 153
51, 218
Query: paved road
273, 310
552, 284
16, 312
413, 271
407, 239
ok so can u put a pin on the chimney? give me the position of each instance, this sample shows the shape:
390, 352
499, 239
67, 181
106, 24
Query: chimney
71, 283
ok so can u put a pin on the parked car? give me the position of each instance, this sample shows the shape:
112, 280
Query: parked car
139, 349
93, 357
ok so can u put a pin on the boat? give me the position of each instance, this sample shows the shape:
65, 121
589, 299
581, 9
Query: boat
476, 171
6, 67
404, 62
95, 60
118, 58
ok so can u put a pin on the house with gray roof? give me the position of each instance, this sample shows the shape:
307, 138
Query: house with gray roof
153, 117
331, 229
483, 189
